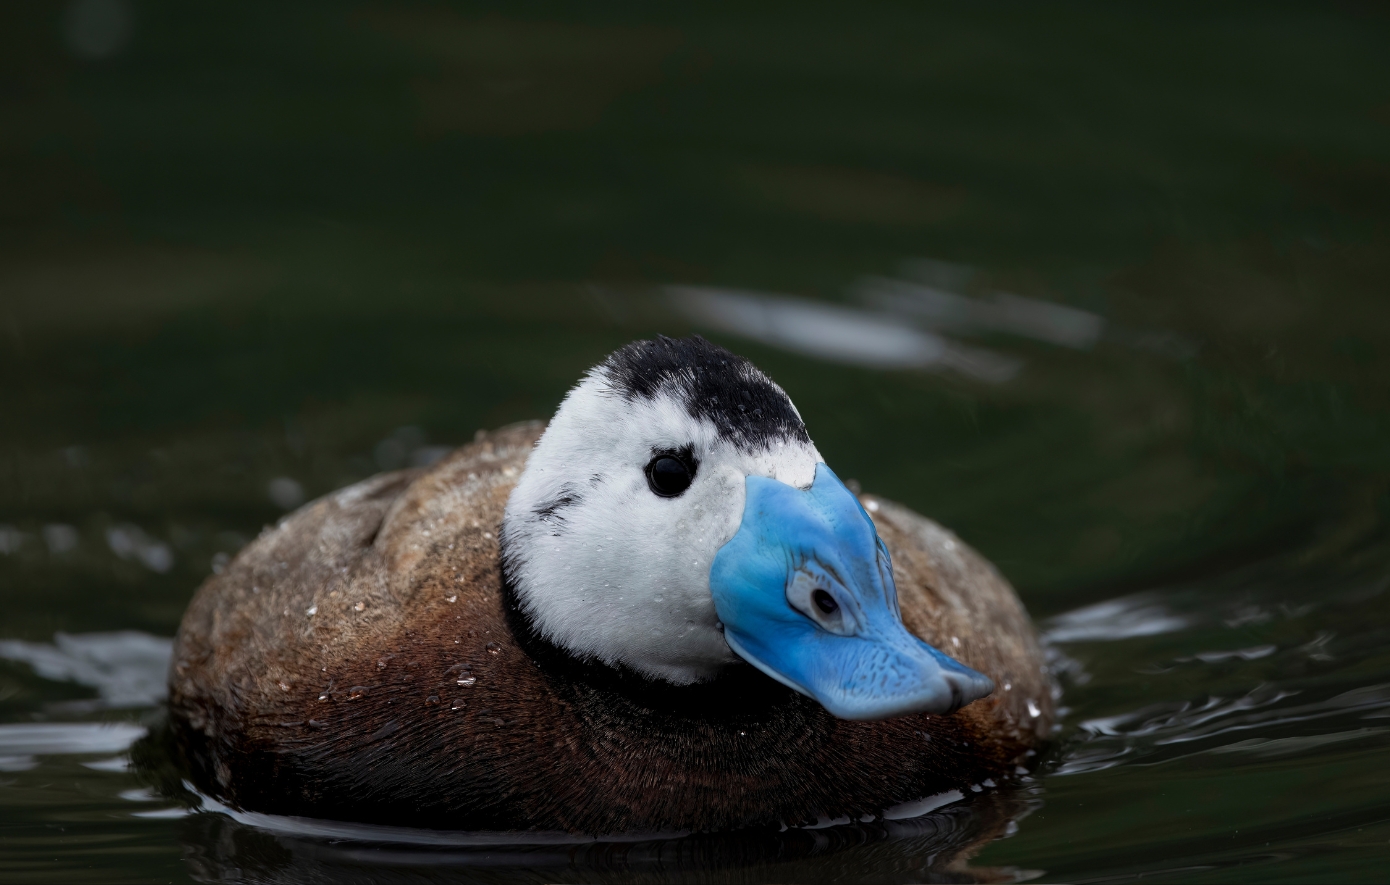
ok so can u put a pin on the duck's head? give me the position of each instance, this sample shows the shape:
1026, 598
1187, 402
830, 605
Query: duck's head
675, 517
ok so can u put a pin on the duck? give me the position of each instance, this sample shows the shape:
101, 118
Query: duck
661, 611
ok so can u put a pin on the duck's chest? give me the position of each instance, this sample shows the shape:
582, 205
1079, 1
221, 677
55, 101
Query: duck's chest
461, 720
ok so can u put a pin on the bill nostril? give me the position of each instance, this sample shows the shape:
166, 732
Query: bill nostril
824, 601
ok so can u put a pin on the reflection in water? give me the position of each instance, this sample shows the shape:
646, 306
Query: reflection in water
902, 322
1114, 619
936, 308
126, 667
22, 743
60, 537
932, 848
286, 492
130, 542
833, 333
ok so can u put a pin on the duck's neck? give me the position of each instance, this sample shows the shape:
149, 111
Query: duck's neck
736, 692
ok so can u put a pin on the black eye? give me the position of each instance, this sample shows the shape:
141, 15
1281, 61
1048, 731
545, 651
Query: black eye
824, 601
668, 476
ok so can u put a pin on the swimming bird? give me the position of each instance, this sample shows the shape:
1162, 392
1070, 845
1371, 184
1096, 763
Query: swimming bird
661, 611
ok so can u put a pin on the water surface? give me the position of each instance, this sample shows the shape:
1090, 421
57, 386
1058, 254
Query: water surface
1103, 290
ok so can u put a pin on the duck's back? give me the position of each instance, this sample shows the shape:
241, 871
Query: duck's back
360, 661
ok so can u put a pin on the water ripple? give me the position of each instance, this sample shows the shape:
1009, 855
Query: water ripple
127, 668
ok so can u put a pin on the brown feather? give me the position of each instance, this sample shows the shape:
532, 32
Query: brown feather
411, 696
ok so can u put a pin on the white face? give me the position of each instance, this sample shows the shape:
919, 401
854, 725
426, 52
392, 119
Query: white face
607, 568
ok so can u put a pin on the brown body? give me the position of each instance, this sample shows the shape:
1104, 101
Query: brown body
361, 662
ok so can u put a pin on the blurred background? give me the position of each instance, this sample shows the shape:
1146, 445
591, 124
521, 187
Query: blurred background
1102, 288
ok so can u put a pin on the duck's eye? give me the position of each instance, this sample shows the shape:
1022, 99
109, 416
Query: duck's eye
824, 601
668, 476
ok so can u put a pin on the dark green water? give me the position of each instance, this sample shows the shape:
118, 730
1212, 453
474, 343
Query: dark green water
252, 252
